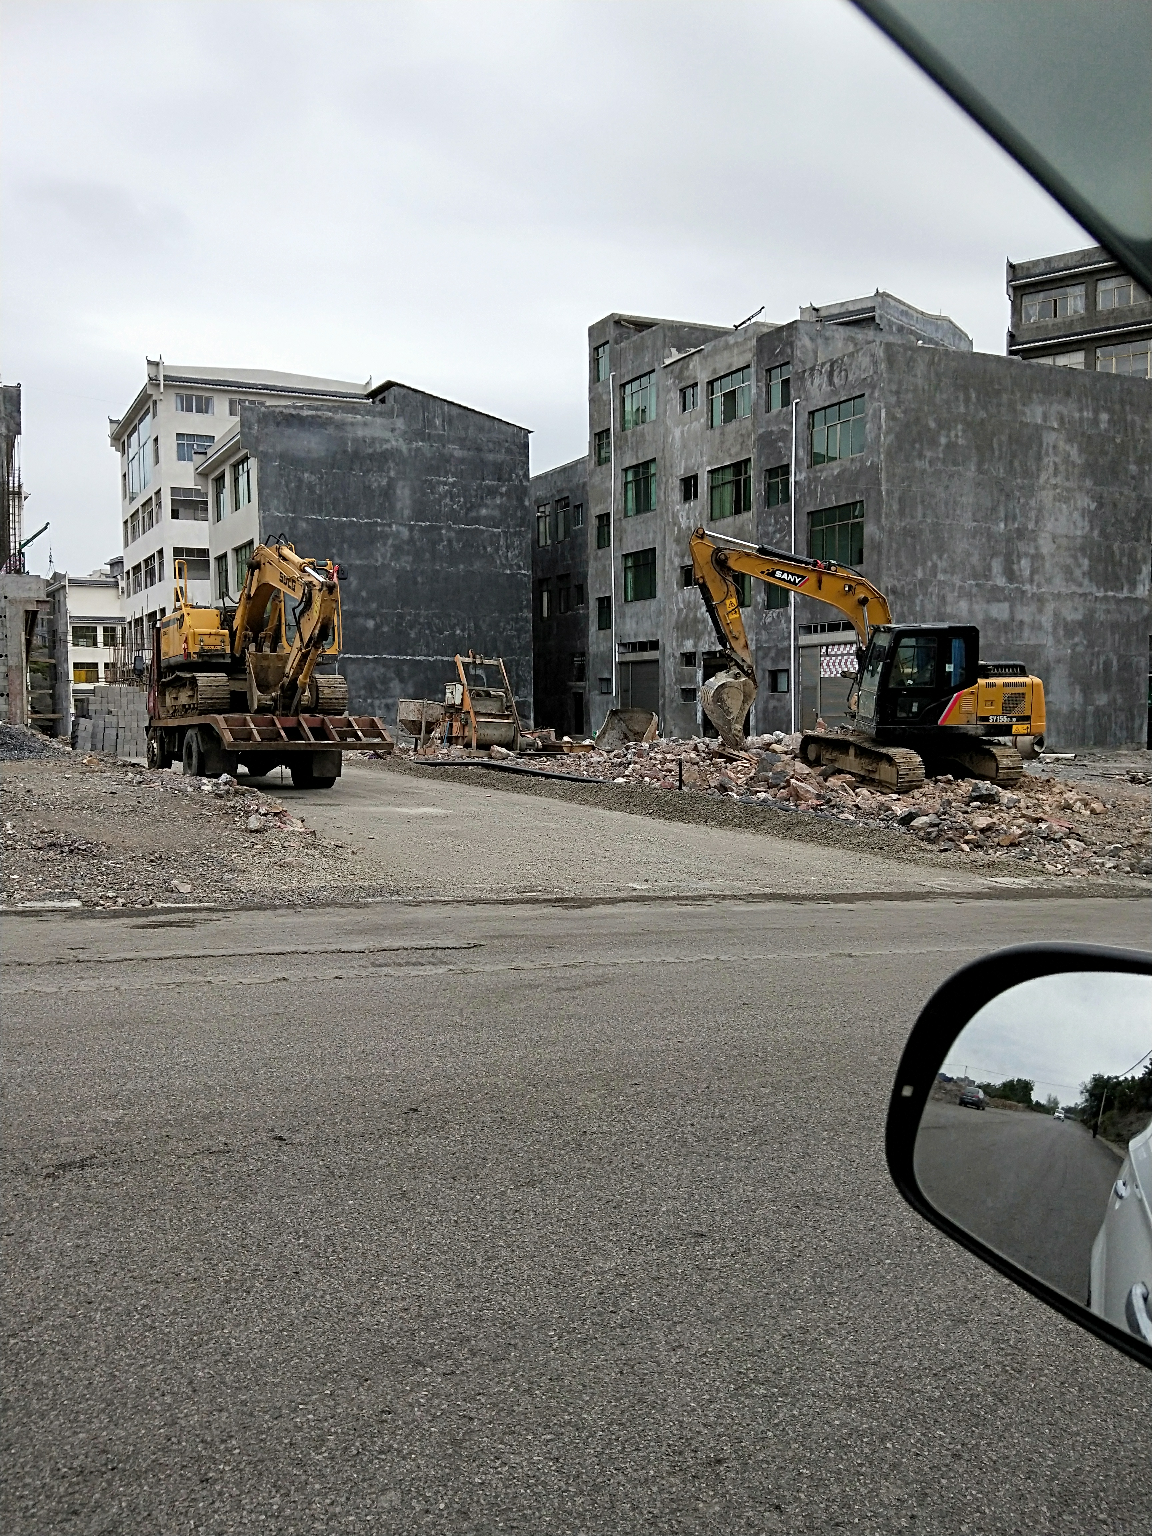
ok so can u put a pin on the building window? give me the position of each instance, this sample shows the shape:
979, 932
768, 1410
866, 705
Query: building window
640, 488
544, 594
687, 658
600, 359
688, 695
150, 571
603, 530
780, 387
196, 560
730, 398
240, 558
189, 444
159, 565
603, 613
124, 487
837, 431
689, 397
578, 515
1119, 292
219, 497
84, 635
222, 576
139, 448
778, 680
113, 636
1131, 357
639, 575
543, 527
134, 526
579, 666
638, 401
85, 671
137, 578
563, 515
563, 594
125, 535
578, 597
687, 576
777, 485
606, 685
147, 515
155, 449
837, 533
1063, 359
730, 490
690, 488
1053, 304
743, 584
234, 406
200, 405
242, 483
777, 597
603, 446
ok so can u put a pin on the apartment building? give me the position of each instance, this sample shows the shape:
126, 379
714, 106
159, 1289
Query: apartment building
1079, 310
866, 432
89, 638
172, 424
422, 501
560, 533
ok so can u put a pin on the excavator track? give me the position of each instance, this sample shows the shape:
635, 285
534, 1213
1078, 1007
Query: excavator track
982, 760
896, 769
331, 694
196, 693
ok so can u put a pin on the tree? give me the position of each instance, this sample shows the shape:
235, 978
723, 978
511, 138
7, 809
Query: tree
1018, 1089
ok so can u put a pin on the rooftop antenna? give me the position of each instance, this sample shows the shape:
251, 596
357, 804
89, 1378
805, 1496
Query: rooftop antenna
748, 319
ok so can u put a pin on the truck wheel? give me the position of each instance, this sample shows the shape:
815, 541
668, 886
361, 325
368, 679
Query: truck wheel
313, 771
190, 757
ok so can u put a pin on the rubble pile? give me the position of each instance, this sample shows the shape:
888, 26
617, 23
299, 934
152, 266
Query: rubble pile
1057, 828
19, 743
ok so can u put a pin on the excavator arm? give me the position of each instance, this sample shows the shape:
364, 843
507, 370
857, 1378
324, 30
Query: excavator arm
716, 563
277, 576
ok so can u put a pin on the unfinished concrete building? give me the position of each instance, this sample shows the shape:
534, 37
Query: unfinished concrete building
422, 501
969, 488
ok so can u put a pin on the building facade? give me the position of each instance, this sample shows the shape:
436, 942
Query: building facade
423, 502
90, 641
172, 424
560, 533
968, 489
1079, 310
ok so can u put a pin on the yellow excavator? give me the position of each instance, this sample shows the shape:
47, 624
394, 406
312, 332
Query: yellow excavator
232, 685
920, 691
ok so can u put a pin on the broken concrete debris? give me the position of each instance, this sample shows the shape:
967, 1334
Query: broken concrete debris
1058, 827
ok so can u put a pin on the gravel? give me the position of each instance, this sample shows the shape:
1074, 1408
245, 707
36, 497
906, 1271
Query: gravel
19, 743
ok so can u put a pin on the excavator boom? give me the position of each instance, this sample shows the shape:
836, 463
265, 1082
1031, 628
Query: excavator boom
278, 575
716, 563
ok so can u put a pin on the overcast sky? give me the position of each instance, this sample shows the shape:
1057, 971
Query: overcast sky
449, 193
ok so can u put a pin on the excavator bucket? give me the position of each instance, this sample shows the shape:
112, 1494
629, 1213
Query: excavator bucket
727, 698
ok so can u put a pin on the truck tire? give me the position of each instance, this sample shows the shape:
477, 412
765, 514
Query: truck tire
315, 770
207, 753
190, 754
159, 748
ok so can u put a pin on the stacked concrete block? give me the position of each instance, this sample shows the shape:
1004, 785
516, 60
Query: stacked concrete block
117, 723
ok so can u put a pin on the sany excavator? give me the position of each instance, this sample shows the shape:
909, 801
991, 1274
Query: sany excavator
229, 686
920, 691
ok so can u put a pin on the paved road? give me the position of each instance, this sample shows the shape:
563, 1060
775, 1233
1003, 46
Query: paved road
1032, 1187
516, 1218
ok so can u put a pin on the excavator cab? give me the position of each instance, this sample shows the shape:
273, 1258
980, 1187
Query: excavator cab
911, 673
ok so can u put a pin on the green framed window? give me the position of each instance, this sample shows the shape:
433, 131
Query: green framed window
689, 397
638, 401
730, 397
743, 584
240, 558
241, 483
730, 490
543, 526
600, 360
603, 613
640, 488
837, 431
779, 383
603, 530
777, 597
639, 575
222, 576
837, 533
602, 445
778, 486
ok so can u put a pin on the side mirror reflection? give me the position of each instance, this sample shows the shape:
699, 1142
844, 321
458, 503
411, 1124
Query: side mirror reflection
1021, 1123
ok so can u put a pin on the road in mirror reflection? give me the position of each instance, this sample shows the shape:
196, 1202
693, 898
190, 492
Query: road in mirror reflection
1037, 1137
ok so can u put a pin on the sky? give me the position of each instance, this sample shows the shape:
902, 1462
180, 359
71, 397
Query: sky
1058, 1031
449, 194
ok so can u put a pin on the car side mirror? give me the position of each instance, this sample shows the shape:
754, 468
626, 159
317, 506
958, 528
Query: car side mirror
1020, 1124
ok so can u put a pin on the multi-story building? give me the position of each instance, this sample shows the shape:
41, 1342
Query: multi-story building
560, 595
866, 432
423, 502
1080, 310
88, 621
170, 427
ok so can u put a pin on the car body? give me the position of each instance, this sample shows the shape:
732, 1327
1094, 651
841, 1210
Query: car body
1059, 1115
971, 1098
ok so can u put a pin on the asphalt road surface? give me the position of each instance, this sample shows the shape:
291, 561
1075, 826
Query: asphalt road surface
1032, 1187
526, 1218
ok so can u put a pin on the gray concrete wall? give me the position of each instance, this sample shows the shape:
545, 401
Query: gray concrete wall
425, 503
562, 700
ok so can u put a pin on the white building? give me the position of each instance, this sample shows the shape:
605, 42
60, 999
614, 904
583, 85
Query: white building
88, 619
167, 433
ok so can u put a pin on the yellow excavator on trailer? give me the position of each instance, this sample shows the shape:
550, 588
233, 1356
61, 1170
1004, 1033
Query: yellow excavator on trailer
240, 685
920, 691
